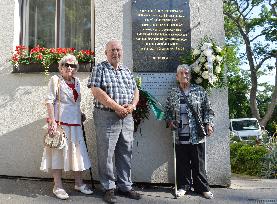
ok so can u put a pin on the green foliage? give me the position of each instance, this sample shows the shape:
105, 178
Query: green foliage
187, 58
270, 31
272, 124
142, 111
231, 59
263, 101
251, 24
238, 85
250, 20
247, 159
237, 99
269, 166
234, 149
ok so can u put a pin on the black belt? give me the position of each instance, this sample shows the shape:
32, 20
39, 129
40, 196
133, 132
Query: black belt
105, 109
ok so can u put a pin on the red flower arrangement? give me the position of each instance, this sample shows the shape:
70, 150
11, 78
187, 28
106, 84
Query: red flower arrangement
47, 56
146, 103
142, 110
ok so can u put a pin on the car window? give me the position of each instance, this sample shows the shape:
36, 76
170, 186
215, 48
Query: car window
245, 125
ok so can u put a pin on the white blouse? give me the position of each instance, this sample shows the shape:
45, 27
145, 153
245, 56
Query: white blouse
70, 111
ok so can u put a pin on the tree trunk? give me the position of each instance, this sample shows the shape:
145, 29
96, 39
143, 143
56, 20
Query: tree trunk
273, 101
254, 81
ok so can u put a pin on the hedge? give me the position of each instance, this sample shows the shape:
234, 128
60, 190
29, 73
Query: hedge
247, 159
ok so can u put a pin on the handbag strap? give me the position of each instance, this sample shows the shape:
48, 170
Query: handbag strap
196, 116
59, 100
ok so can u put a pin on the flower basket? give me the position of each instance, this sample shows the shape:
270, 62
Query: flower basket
40, 59
23, 68
84, 67
36, 67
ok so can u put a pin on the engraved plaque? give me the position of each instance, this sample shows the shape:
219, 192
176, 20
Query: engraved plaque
158, 84
161, 33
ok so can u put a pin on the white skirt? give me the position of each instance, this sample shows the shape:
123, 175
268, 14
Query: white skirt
73, 156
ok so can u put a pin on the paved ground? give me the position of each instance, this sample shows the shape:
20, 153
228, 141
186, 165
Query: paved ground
21, 191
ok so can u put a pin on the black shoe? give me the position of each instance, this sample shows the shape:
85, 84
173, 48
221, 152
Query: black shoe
130, 194
109, 196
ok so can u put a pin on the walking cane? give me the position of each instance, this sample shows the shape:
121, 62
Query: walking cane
205, 157
90, 171
174, 160
205, 152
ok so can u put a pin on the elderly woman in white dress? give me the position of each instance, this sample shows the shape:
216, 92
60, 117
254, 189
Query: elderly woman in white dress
74, 156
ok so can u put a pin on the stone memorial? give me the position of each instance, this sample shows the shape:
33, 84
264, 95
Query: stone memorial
154, 34
160, 32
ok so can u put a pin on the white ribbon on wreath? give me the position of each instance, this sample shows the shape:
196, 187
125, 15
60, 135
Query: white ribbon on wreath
208, 52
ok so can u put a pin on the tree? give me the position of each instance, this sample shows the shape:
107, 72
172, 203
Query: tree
238, 85
242, 28
263, 101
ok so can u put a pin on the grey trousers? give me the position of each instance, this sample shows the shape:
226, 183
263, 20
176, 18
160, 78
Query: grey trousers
114, 137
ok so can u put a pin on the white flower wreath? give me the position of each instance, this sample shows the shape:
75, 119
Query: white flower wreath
207, 64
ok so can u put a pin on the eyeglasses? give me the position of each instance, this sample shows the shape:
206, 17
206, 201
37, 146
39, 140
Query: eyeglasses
74, 66
115, 49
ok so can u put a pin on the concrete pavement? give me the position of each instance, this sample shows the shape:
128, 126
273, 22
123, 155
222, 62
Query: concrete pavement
28, 191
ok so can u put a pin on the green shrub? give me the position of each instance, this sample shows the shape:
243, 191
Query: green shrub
235, 147
269, 167
247, 159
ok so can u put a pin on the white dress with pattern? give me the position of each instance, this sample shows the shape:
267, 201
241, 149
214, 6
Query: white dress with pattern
74, 156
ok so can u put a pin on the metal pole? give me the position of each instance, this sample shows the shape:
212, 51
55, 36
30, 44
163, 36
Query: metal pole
205, 140
174, 160
90, 171
174, 155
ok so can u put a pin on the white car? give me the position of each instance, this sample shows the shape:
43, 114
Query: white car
246, 128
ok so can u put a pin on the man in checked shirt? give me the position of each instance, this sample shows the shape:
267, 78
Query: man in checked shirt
115, 97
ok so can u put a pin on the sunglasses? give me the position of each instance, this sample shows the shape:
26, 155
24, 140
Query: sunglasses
74, 66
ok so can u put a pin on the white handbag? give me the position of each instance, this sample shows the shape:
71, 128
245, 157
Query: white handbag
56, 139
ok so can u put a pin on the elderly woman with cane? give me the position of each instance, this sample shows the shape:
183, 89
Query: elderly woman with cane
63, 107
188, 113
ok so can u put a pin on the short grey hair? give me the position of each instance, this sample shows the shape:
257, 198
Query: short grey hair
182, 67
68, 58
111, 41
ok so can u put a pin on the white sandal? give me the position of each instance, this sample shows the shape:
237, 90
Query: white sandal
208, 195
60, 193
83, 189
180, 193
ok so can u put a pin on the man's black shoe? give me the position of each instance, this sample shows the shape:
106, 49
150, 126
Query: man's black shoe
130, 194
109, 196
